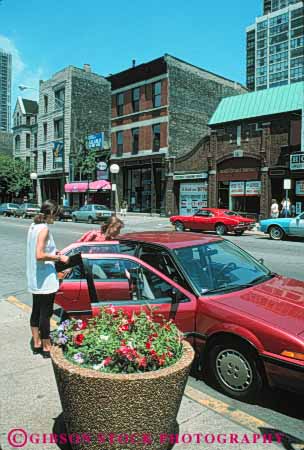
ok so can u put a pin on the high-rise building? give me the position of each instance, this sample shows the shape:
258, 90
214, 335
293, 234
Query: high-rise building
275, 45
5, 90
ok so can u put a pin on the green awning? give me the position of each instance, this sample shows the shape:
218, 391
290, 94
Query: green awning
260, 103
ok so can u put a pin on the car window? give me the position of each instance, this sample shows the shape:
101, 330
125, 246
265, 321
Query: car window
127, 248
107, 269
203, 214
92, 249
219, 265
161, 261
231, 213
101, 208
83, 208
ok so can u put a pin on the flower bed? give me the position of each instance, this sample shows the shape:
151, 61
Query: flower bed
116, 343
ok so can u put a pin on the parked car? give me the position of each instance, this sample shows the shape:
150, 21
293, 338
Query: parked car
221, 221
91, 213
279, 228
27, 210
245, 322
7, 209
65, 213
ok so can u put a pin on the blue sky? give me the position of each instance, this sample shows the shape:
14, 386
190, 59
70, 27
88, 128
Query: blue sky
46, 36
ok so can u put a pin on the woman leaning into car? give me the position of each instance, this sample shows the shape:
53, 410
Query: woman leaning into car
108, 231
41, 275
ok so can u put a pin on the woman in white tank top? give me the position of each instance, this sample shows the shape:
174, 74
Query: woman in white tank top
41, 276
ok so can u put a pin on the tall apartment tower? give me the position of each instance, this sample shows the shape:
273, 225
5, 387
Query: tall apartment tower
275, 45
5, 90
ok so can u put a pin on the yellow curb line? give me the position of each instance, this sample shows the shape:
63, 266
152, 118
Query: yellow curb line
26, 308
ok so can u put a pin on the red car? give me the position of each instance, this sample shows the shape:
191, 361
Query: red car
246, 323
221, 221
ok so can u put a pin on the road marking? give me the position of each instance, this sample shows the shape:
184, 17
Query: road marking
26, 308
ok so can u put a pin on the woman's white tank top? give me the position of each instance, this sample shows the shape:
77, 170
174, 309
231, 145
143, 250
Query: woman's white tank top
41, 275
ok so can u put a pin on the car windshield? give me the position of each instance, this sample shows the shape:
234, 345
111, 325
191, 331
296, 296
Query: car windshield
100, 207
220, 267
13, 205
31, 205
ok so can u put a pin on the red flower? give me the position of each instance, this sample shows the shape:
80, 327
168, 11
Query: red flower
161, 359
107, 361
123, 342
142, 362
123, 328
78, 339
84, 325
153, 354
169, 354
127, 352
148, 345
153, 336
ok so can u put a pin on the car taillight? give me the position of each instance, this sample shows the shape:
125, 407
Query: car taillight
293, 355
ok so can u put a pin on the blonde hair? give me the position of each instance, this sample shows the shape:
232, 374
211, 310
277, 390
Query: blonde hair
113, 226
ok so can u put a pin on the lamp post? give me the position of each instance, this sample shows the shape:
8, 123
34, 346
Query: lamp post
114, 169
33, 177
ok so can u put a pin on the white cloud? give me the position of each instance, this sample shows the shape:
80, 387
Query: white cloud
22, 74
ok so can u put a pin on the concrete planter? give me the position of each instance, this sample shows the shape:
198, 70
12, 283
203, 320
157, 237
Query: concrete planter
121, 411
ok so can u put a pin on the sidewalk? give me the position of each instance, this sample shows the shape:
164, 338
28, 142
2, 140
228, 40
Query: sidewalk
30, 402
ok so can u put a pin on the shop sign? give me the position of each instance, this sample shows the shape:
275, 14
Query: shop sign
237, 188
297, 161
298, 207
102, 165
253, 188
300, 187
58, 152
190, 176
96, 140
193, 196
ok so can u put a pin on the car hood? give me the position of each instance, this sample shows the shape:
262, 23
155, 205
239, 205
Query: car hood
279, 302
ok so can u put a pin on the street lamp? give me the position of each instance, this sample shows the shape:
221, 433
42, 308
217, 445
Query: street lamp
33, 177
114, 169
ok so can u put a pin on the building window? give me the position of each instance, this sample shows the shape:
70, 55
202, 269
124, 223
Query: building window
157, 94
135, 99
59, 98
45, 103
156, 137
17, 144
28, 140
45, 132
135, 140
58, 129
28, 120
119, 104
35, 140
28, 162
44, 160
119, 138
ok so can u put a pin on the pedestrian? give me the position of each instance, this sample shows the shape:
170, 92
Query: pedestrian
285, 207
41, 275
108, 231
274, 209
124, 208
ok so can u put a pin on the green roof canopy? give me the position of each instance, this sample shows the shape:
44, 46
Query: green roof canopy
260, 103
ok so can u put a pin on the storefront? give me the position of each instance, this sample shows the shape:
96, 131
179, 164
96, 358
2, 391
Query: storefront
94, 192
192, 192
244, 196
297, 175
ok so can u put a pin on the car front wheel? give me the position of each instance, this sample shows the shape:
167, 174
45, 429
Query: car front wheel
234, 368
220, 229
179, 226
276, 233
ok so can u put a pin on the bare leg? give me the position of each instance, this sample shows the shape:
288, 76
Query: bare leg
36, 337
46, 344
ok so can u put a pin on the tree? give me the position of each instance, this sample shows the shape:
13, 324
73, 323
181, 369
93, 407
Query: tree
14, 175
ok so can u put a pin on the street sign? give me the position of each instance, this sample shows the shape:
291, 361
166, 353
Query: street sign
287, 184
102, 165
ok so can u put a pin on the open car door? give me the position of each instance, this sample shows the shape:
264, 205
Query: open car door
127, 283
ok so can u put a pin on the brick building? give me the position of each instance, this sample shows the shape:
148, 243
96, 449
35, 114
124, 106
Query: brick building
73, 105
255, 142
25, 131
160, 110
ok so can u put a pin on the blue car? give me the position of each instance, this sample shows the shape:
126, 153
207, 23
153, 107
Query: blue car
282, 227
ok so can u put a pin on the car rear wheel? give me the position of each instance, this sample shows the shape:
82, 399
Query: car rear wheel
233, 366
90, 220
74, 218
276, 233
239, 233
220, 229
179, 226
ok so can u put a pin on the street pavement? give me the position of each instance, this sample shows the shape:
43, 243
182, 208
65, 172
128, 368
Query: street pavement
27, 389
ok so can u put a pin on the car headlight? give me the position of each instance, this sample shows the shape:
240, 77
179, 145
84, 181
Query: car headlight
293, 355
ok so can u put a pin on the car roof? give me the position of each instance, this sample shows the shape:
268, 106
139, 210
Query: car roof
93, 243
170, 239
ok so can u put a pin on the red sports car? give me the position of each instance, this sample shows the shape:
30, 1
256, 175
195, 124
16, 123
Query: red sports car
221, 221
246, 323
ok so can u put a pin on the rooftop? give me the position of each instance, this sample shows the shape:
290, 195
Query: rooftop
266, 102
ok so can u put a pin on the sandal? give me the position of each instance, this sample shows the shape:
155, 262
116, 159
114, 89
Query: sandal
46, 354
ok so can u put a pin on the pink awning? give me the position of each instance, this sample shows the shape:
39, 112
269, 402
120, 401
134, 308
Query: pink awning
83, 186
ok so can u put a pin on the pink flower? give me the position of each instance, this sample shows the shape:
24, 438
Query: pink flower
107, 361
